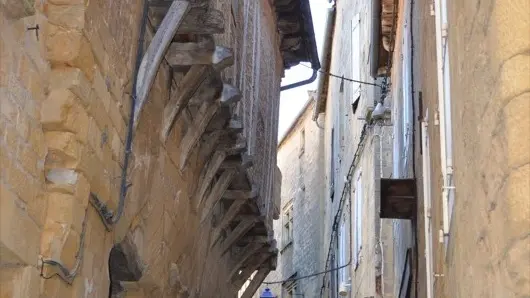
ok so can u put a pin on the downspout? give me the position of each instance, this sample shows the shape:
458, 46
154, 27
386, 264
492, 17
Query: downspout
109, 217
328, 37
379, 237
444, 106
426, 159
128, 144
301, 83
375, 38
315, 63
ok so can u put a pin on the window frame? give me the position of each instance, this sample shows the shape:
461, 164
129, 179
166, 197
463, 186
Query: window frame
358, 218
287, 224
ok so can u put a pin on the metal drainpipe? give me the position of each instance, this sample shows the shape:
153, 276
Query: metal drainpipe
301, 83
128, 143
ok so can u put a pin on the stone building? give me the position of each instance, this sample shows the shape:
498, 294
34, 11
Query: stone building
139, 143
473, 89
299, 231
452, 164
369, 246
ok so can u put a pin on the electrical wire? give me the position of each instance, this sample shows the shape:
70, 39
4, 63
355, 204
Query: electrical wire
384, 88
343, 78
347, 187
321, 272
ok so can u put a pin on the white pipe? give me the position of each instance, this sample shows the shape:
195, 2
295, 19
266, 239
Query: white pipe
427, 206
444, 105
380, 240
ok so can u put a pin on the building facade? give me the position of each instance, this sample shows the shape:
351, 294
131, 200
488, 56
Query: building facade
299, 231
366, 116
139, 143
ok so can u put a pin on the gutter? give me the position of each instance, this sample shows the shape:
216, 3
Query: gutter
301, 83
328, 37
315, 63
376, 37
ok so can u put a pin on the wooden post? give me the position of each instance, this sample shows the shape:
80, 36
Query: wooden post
155, 52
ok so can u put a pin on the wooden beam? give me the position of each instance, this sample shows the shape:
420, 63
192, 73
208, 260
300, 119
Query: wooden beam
243, 163
235, 125
188, 87
239, 279
155, 52
256, 282
236, 194
190, 53
208, 174
199, 20
195, 131
229, 95
216, 193
244, 226
248, 251
227, 218
167, 3
266, 254
203, 21
238, 148
209, 143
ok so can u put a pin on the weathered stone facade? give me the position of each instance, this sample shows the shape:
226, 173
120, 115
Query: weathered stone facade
486, 250
65, 90
300, 160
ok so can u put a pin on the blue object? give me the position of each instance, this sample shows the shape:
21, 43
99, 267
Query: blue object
266, 294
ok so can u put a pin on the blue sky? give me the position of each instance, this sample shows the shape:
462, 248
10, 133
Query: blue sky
291, 101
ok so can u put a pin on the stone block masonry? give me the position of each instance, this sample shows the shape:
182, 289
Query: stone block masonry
64, 108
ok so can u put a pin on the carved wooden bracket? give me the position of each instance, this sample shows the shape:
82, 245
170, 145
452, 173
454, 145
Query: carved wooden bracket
155, 52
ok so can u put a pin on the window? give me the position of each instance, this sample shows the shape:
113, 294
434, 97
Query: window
358, 219
287, 225
302, 143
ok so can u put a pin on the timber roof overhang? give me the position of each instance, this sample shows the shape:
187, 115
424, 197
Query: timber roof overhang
297, 35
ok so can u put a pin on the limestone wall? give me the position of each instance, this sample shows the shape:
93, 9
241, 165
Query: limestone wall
65, 101
300, 160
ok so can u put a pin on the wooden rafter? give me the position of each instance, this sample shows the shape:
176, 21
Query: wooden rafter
198, 21
261, 259
240, 163
236, 194
216, 193
188, 87
191, 53
208, 174
246, 253
244, 226
155, 52
256, 282
227, 218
